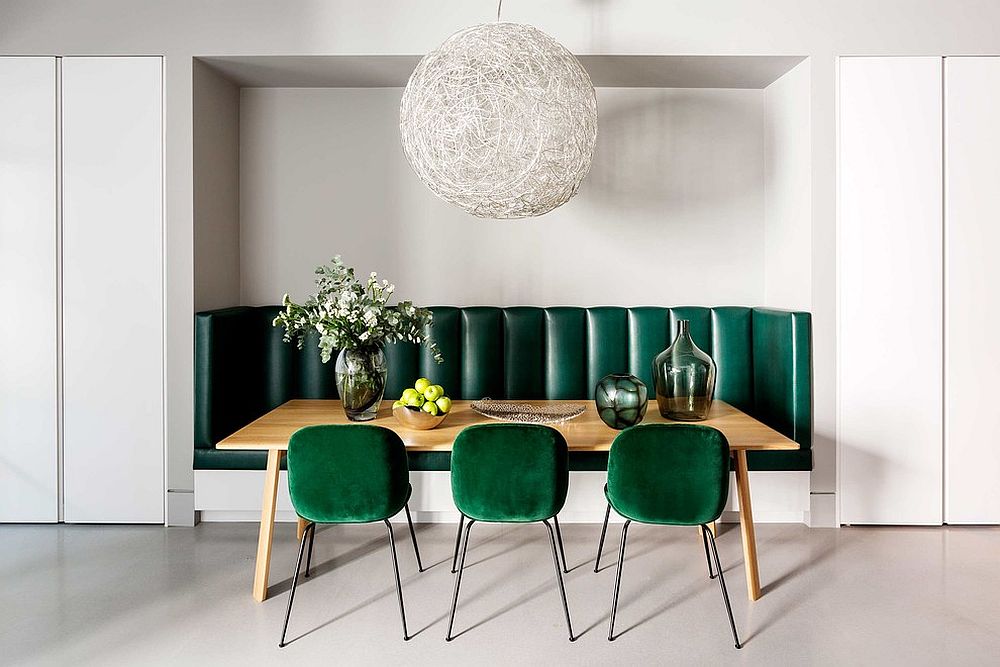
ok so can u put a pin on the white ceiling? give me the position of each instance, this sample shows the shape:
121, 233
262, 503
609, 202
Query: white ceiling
621, 71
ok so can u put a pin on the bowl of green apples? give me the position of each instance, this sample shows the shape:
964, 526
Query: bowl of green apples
423, 406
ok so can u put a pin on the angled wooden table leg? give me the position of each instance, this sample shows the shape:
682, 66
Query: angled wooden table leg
300, 528
263, 567
746, 526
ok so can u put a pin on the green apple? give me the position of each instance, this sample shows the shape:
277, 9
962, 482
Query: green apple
443, 404
421, 384
440, 389
433, 393
430, 407
398, 404
415, 400
409, 395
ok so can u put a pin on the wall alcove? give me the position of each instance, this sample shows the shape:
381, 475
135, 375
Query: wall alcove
699, 192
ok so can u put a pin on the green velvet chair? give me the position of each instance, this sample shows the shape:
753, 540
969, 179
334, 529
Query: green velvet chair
348, 474
509, 473
670, 475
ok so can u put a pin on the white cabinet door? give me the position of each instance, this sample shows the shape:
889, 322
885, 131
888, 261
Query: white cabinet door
890, 290
972, 290
113, 289
28, 408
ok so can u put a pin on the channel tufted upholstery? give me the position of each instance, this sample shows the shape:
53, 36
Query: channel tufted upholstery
243, 369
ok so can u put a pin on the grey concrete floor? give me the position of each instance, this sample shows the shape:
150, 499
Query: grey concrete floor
148, 595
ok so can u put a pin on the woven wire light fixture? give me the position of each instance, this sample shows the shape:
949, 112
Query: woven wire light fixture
500, 120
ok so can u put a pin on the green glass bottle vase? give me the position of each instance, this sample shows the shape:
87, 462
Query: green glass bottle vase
685, 378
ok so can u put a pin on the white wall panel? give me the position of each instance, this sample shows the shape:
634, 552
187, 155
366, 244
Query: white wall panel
972, 295
28, 465
890, 290
113, 289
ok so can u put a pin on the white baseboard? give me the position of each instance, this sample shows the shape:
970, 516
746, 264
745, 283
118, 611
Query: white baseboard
180, 508
822, 510
235, 495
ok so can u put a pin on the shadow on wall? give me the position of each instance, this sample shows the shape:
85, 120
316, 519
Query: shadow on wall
866, 500
678, 148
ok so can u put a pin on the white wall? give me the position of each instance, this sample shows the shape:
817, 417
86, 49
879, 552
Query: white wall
216, 141
672, 212
787, 212
181, 29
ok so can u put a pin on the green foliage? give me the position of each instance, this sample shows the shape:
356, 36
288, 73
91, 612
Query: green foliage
350, 315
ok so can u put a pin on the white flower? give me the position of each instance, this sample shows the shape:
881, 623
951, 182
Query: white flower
346, 312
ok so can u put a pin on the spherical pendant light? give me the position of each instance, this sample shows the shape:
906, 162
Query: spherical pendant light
500, 120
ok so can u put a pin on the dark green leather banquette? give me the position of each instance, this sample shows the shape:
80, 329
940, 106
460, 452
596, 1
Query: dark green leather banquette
243, 369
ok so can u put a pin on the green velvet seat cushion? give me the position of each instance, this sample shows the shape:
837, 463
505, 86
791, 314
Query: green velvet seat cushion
509, 472
347, 473
675, 474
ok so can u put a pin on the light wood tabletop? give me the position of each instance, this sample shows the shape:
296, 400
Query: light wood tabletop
585, 433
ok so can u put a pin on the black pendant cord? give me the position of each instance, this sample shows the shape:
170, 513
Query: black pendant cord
499, 5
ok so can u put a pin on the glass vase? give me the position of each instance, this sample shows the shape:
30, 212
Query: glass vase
621, 400
684, 378
361, 376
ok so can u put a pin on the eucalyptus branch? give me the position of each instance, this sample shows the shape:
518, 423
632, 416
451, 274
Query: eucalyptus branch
348, 314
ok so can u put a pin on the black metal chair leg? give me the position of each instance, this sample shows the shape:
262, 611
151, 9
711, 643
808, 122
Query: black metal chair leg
708, 558
399, 585
562, 550
618, 582
309, 555
559, 579
458, 542
600, 545
458, 578
725, 594
413, 537
295, 581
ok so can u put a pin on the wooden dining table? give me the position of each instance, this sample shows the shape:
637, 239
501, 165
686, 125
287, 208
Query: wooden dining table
585, 433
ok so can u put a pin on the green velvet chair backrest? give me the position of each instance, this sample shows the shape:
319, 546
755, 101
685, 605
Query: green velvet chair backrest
243, 369
352, 473
674, 474
509, 472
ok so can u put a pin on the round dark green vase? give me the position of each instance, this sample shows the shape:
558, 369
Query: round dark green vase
685, 378
621, 400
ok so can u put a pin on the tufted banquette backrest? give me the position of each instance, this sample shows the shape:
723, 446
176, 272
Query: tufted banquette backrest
243, 369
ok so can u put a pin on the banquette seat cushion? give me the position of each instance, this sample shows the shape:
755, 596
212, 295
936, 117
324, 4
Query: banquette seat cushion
243, 369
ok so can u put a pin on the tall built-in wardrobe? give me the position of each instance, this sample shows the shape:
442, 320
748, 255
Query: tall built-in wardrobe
919, 290
81, 289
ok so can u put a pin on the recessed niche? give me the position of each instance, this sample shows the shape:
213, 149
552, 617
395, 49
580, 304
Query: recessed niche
699, 193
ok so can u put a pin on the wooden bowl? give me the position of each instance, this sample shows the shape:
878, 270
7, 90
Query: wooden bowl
417, 419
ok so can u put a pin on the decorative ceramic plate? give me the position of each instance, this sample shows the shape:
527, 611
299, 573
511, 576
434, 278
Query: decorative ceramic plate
512, 411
